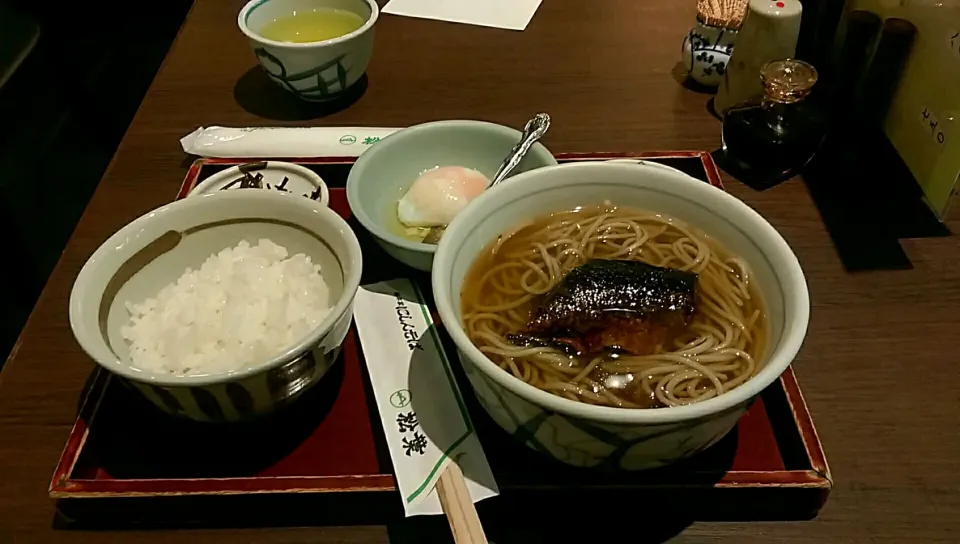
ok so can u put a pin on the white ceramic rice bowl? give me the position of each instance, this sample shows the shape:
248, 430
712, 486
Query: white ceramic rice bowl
97, 308
594, 436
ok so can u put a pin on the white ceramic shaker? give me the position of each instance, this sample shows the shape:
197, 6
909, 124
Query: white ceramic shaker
769, 32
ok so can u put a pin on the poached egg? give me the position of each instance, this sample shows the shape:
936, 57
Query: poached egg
438, 195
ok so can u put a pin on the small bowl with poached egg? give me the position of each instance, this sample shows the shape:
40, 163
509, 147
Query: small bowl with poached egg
421, 177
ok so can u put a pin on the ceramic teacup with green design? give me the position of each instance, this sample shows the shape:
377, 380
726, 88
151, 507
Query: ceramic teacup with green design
314, 71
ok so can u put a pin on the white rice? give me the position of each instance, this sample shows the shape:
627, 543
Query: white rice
244, 306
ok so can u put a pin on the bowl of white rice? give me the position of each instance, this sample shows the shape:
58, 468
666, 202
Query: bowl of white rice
223, 306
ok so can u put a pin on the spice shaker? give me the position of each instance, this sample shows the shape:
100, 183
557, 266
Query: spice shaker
856, 50
769, 32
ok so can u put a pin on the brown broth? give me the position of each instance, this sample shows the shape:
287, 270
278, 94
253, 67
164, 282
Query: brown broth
602, 385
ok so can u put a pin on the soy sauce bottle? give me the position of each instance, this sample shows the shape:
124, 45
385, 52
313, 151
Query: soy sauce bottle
769, 140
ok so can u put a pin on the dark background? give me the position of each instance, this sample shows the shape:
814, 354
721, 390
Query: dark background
65, 104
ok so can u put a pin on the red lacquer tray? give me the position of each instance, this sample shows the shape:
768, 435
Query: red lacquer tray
771, 466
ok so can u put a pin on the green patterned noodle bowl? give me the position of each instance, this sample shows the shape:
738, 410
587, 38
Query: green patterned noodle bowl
583, 443
606, 437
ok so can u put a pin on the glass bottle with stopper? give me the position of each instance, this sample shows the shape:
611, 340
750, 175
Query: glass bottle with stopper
769, 139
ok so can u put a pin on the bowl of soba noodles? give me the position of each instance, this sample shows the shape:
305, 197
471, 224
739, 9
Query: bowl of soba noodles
615, 316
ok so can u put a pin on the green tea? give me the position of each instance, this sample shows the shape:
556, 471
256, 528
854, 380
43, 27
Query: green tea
312, 26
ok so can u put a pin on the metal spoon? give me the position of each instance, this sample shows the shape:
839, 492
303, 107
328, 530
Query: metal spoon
532, 131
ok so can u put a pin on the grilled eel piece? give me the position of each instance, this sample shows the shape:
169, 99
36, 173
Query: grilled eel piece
603, 305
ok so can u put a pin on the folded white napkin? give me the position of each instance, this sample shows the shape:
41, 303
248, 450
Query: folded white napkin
509, 14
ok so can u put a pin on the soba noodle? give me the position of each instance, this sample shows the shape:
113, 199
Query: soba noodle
718, 351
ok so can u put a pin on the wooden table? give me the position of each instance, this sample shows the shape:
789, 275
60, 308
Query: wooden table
880, 368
